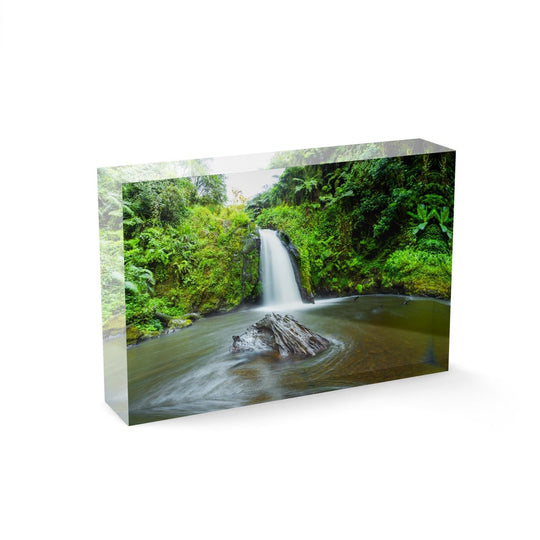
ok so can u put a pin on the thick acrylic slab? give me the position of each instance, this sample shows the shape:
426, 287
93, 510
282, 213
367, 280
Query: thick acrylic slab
380, 326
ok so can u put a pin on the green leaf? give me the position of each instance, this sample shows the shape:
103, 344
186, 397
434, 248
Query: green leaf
131, 287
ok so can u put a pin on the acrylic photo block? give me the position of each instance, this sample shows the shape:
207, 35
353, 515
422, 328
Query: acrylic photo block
239, 280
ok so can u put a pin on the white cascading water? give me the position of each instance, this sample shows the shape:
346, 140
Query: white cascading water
277, 274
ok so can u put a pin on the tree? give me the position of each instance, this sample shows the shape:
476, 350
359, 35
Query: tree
211, 189
161, 202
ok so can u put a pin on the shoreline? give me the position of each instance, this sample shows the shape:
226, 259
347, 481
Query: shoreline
253, 306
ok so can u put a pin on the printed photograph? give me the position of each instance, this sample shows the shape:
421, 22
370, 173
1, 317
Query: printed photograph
255, 286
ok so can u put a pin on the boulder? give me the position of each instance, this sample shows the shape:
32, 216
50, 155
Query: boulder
192, 316
176, 324
282, 334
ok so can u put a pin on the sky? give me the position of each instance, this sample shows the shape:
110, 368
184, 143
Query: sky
252, 182
249, 174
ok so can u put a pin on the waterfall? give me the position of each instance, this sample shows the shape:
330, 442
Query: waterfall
277, 274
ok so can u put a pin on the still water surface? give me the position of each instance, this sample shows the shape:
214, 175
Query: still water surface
373, 338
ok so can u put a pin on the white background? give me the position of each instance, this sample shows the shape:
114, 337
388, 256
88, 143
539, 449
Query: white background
111, 82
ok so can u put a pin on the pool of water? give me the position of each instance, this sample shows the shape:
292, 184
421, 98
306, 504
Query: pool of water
373, 338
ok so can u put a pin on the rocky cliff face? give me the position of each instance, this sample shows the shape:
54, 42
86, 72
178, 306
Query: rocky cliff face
251, 286
296, 261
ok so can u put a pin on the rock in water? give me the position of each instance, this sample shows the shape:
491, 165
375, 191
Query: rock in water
280, 333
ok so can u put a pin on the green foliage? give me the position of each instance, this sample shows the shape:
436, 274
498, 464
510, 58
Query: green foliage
433, 240
418, 272
347, 219
138, 280
422, 216
211, 189
443, 218
184, 251
161, 202
362, 226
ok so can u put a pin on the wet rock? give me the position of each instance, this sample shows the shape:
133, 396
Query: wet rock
251, 249
176, 324
192, 316
282, 334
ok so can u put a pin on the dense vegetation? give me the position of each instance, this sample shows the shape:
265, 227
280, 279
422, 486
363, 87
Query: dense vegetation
364, 226
378, 225
185, 253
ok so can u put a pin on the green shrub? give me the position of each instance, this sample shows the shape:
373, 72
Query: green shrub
433, 240
418, 272
195, 265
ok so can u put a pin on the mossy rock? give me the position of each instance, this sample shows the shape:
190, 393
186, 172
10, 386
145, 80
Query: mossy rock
192, 316
133, 335
180, 323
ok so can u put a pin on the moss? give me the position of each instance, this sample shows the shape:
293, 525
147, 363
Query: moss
418, 272
133, 334
433, 240
180, 323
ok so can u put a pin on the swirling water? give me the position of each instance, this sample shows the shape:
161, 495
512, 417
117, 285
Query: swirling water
373, 338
